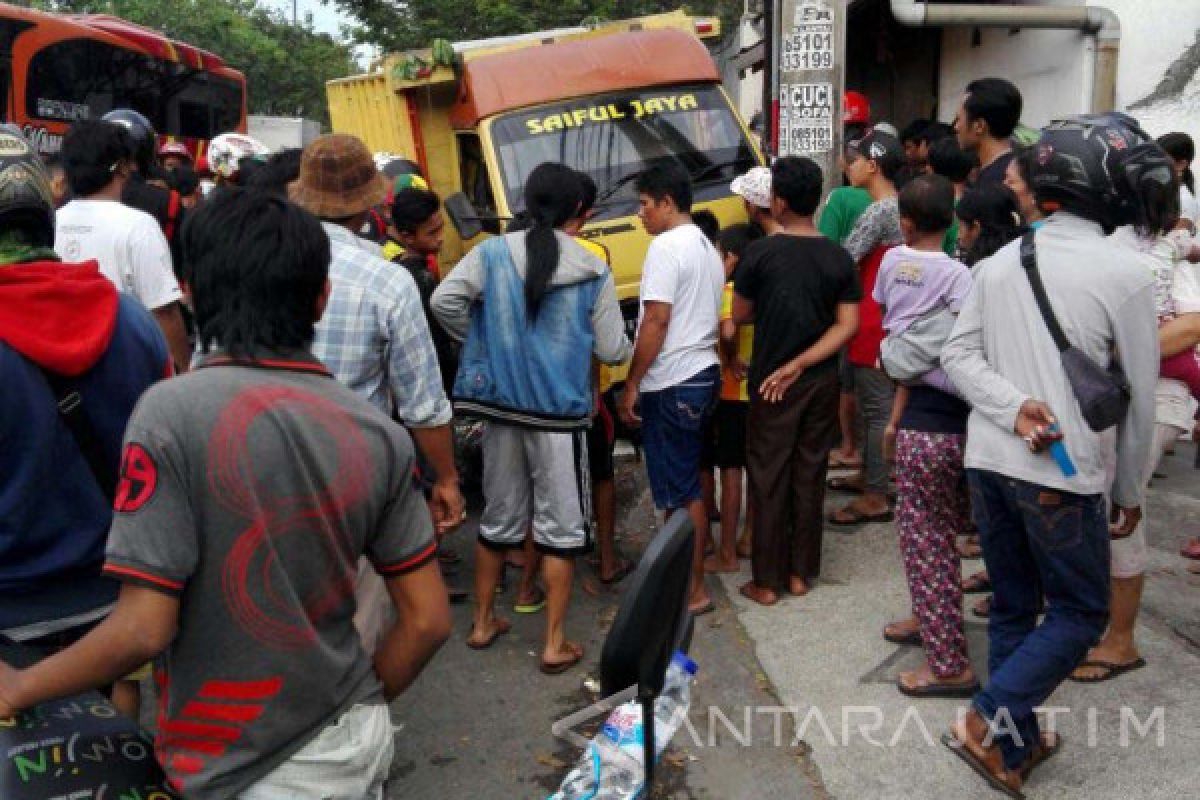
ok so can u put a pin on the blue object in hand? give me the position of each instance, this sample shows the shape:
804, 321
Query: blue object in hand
1058, 451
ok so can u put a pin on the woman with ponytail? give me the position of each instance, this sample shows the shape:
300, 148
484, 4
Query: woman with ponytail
532, 308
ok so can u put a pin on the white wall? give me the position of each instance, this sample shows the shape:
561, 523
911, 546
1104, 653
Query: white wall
1053, 68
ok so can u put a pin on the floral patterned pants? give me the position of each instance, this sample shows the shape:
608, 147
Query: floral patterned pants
932, 509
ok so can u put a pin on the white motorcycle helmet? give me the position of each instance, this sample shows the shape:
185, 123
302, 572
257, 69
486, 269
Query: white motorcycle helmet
225, 153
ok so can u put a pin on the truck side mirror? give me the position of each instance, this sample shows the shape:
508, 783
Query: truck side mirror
463, 216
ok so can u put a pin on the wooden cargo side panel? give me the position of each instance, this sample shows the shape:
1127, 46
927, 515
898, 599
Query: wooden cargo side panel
365, 107
441, 153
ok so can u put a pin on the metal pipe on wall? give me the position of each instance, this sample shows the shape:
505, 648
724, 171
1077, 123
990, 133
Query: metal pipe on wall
1093, 20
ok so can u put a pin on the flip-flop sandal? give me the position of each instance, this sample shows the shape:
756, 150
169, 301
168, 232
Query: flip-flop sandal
983, 610
912, 639
624, 569
850, 517
837, 462
457, 596
559, 667
978, 583
531, 608
969, 550
959, 749
1041, 755
946, 690
707, 608
502, 627
1114, 670
842, 483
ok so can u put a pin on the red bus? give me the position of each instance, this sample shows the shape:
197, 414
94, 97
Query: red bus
56, 69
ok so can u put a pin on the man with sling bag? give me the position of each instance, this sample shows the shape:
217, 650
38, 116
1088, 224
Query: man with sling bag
1043, 527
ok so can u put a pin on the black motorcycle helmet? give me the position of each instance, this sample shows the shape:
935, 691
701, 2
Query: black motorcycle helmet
26, 201
1079, 165
144, 137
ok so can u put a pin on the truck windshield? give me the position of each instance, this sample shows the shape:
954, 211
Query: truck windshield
613, 137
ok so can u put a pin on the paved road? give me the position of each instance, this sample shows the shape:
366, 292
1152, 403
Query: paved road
477, 725
825, 656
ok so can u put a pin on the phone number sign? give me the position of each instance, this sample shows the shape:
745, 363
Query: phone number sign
809, 44
806, 118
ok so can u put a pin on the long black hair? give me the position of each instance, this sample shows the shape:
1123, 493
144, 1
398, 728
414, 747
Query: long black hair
552, 196
994, 207
1180, 147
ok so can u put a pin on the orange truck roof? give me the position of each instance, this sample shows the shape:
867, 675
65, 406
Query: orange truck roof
562, 70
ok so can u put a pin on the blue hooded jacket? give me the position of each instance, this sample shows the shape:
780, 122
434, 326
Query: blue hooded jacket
534, 373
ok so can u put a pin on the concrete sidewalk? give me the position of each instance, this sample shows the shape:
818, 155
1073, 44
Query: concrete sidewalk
825, 656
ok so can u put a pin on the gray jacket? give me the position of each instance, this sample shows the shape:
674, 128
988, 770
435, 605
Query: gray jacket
1001, 354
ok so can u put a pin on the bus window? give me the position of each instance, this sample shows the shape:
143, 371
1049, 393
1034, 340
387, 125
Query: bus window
9, 28
81, 78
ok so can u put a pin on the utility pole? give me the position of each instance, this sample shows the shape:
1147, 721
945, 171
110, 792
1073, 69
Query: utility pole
809, 48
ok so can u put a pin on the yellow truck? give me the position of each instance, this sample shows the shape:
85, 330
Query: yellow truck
608, 100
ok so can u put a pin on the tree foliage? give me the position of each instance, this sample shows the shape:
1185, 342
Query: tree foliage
286, 66
406, 24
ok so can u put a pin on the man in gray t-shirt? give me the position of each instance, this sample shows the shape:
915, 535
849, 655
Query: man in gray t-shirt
249, 490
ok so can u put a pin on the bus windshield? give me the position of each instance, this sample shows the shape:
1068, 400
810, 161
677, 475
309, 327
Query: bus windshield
614, 137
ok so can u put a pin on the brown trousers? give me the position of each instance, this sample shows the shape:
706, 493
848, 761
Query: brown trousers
787, 454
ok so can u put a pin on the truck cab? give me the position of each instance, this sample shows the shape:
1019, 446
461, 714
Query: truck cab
609, 101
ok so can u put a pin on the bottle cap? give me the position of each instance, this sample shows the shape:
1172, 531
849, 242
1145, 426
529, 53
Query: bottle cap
685, 663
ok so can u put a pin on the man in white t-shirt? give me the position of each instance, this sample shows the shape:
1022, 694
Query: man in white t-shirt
128, 244
674, 371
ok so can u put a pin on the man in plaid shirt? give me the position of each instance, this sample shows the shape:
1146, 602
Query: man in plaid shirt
374, 337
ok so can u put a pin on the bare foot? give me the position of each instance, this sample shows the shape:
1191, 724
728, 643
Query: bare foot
759, 594
797, 586
562, 659
923, 678
719, 564
484, 636
902, 628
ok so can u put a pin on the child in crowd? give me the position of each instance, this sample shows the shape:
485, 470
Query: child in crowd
729, 421
1176, 292
988, 219
917, 283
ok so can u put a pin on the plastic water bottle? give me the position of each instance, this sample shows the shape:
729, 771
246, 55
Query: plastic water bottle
611, 768
1058, 451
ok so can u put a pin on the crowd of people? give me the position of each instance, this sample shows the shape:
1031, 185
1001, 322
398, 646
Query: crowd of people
229, 431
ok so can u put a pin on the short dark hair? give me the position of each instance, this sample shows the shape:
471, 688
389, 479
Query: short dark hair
412, 208
281, 169
667, 179
885, 150
948, 159
708, 224
995, 101
736, 238
914, 131
797, 181
184, 180
928, 203
256, 265
91, 152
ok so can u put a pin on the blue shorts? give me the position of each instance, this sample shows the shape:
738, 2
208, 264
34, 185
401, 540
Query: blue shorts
674, 424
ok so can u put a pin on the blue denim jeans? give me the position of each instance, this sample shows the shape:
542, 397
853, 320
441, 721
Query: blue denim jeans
1036, 541
674, 424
